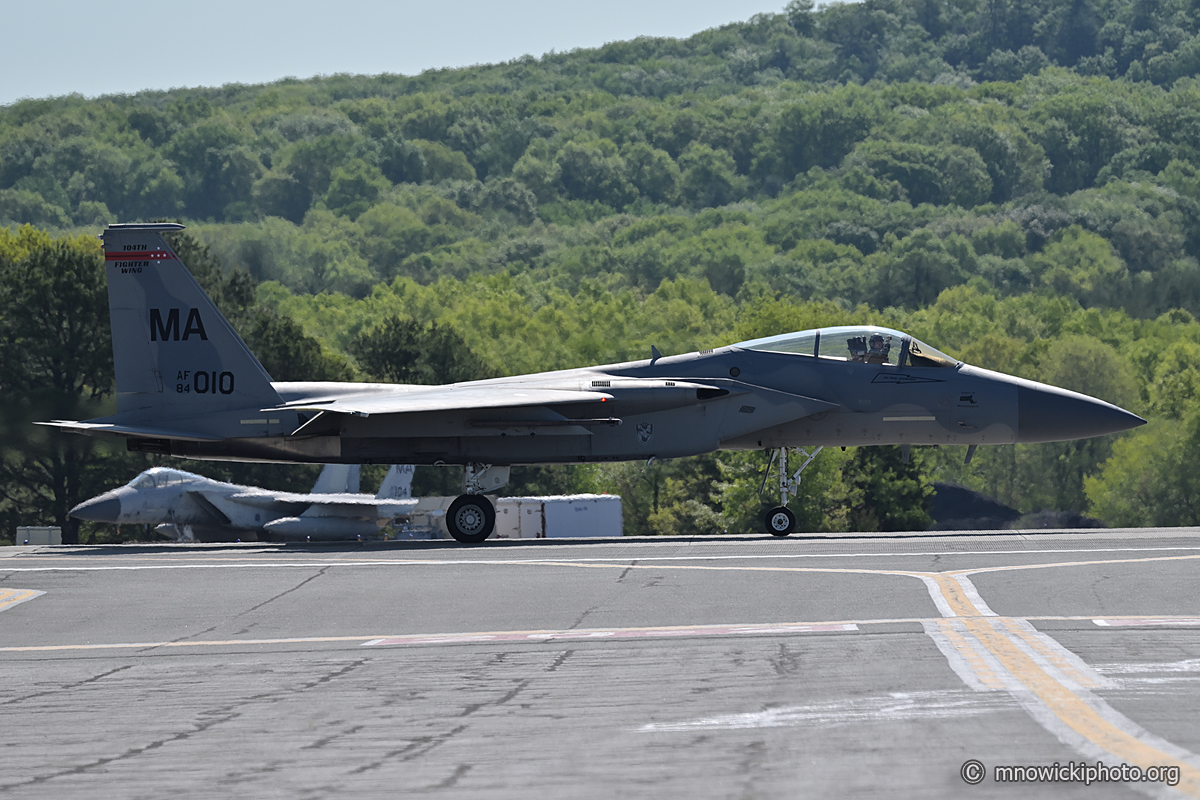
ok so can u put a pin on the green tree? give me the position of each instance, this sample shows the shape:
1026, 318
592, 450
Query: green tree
884, 493
55, 363
443, 163
1083, 265
354, 188
1150, 479
917, 268
401, 161
217, 168
708, 177
594, 171
1083, 364
406, 351
653, 172
1175, 391
822, 129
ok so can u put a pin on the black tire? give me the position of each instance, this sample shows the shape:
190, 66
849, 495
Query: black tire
471, 519
780, 521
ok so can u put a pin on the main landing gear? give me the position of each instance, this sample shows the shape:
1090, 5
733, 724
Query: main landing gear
781, 521
471, 518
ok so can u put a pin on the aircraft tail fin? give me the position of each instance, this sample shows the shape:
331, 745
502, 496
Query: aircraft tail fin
397, 483
174, 353
338, 479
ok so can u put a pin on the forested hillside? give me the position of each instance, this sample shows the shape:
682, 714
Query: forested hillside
1016, 183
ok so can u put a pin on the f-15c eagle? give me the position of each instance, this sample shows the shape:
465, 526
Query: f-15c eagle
178, 502
188, 386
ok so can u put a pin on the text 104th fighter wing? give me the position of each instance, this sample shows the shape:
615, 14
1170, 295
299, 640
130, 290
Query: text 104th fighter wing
188, 386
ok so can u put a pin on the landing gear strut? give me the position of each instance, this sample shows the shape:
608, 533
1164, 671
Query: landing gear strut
471, 517
780, 521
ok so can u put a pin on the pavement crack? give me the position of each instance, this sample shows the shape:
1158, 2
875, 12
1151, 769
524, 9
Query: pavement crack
67, 687
280, 694
284, 593
132, 752
319, 743
579, 620
626, 571
207, 630
558, 662
415, 749
459, 772
788, 663
339, 673
750, 765
473, 707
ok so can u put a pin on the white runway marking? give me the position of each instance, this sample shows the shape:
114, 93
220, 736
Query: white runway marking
407, 562
613, 633
898, 706
1148, 622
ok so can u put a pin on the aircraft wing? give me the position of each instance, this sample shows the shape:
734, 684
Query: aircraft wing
273, 500
375, 509
448, 398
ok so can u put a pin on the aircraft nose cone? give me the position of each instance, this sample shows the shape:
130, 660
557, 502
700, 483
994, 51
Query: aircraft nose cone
105, 508
1048, 414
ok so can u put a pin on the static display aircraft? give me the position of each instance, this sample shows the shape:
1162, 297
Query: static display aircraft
177, 501
188, 386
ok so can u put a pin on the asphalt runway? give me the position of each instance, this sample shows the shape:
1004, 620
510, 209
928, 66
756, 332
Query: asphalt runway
739, 667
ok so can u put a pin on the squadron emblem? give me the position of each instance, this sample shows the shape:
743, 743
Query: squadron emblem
645, 432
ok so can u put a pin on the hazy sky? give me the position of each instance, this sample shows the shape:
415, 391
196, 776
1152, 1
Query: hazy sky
56, 47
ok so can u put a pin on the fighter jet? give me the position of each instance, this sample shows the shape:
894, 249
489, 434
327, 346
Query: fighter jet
194, 507
188, 386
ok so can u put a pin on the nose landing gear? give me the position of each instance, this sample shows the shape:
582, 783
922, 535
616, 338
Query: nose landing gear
781, 521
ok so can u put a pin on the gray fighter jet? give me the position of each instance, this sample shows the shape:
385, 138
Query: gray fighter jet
188, 386
178, 502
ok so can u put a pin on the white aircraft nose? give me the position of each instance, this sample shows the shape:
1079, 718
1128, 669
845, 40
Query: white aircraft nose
103, 508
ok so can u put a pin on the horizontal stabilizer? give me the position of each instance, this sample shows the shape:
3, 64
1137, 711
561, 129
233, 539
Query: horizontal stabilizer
112, 429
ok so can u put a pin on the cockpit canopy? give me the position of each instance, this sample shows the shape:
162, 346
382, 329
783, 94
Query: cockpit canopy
161, 477
863, 343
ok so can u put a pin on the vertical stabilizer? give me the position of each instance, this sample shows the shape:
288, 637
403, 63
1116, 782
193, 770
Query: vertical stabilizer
338, 479
397, 483
174, 353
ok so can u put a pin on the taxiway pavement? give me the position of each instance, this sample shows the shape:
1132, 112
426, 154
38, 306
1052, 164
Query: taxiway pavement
733, 667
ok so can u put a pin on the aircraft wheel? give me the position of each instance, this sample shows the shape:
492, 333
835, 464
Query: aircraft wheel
471, 519
780, 521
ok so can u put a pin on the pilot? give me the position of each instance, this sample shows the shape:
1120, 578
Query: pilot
880, 347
